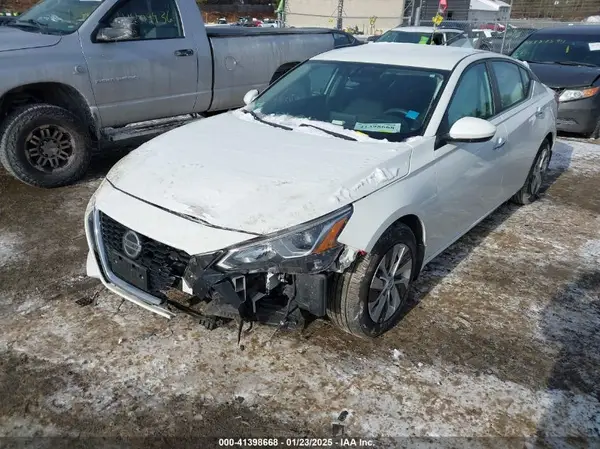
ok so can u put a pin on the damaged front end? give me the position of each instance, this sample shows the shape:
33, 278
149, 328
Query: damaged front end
275, 280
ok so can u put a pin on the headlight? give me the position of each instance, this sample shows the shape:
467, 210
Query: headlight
311, 247
578, 94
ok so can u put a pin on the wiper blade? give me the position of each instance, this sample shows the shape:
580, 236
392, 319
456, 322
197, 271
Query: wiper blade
575, 63
331, 133
535, 62
266, 122
31, 23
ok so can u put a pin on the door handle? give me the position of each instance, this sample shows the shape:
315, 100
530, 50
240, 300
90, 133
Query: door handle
499, 143
539, 113
184, 52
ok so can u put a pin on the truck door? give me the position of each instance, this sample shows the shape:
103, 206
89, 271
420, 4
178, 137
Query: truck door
148, 74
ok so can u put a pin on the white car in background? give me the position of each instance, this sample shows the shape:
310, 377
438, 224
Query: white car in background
331, 190
425, 35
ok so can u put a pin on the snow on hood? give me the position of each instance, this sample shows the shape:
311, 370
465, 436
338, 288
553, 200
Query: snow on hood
16, 39
251, 177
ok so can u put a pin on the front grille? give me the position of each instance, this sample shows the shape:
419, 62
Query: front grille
164, 263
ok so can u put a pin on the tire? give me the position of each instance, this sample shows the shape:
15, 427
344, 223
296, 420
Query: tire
535, 179
45, 146
596, 132
485, 47
349, 300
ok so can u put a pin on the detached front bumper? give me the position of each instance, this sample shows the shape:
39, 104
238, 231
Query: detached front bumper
579, 116
165, 278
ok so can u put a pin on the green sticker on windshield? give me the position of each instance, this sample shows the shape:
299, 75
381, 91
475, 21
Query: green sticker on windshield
424, 40
391, 128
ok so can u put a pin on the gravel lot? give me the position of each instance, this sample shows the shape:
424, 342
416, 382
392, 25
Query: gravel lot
503, 339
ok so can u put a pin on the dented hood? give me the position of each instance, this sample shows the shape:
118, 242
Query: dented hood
251, 177
16, 39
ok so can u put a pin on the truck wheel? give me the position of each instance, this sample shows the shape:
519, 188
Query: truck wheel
369, 299
535, 179
45, 146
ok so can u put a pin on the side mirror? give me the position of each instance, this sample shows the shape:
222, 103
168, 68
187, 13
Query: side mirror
471, 129
250, 96
120, 29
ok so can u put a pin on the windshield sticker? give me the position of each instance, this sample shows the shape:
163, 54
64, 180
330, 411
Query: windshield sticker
424, 39
338, 122
391, 128
594, 46
412, 115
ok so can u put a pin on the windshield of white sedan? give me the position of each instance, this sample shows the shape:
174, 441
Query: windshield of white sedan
380, 101
569, 50
56, 16
409, 37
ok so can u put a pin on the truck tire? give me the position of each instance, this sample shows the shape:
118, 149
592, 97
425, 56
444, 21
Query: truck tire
355, 295
45, 146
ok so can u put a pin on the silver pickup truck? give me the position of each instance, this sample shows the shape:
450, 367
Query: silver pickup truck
81, 75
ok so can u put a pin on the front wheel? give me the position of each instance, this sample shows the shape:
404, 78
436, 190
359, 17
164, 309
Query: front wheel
370, 298
45, 146
536, 177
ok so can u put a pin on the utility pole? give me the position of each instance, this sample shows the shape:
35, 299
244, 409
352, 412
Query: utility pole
418, 13
340, 14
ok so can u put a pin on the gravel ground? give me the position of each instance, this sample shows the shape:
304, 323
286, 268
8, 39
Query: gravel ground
503, 339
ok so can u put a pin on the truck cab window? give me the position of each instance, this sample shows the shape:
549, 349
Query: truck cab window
158, 19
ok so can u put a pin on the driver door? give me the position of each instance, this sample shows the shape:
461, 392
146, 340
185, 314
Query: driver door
150, 76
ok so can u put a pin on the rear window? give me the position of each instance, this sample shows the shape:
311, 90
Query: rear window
571, 49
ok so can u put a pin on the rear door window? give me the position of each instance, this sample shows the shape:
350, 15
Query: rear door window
510, 84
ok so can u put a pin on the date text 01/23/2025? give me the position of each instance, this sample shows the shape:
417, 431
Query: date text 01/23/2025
295, 442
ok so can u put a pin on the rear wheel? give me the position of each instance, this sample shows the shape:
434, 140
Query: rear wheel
370, 298
45, 146
537, 175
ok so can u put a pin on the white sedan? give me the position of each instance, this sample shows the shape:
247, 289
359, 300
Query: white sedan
328, 192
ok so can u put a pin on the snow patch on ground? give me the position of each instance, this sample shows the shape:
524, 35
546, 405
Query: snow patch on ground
576, 156
590, 252
10, 246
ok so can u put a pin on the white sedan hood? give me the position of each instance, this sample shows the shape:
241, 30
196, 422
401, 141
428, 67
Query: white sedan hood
248, 176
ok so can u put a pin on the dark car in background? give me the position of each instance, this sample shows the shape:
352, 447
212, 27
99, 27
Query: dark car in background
567, 59
505, 42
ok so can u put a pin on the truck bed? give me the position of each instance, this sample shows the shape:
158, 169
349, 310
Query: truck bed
238, 31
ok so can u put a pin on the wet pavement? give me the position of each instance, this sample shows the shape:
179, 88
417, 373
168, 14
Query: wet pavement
502, 339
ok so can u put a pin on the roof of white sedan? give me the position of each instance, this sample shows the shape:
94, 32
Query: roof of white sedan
408, 55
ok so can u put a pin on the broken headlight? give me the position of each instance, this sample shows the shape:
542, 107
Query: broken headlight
308, 248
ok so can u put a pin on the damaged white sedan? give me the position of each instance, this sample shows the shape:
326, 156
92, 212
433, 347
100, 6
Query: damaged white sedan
327, 194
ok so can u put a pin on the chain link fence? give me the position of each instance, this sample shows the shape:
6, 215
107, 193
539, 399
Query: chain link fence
503, 37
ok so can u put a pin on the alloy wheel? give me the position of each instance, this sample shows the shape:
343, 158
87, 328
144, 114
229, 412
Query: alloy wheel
49, 148
388, 290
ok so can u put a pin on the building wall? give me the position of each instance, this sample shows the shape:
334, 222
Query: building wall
489, 16
457, 10
323, 13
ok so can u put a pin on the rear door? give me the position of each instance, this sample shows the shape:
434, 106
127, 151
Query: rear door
152, 75
524, 111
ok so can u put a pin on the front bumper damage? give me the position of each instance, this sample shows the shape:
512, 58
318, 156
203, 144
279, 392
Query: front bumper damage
213, 295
